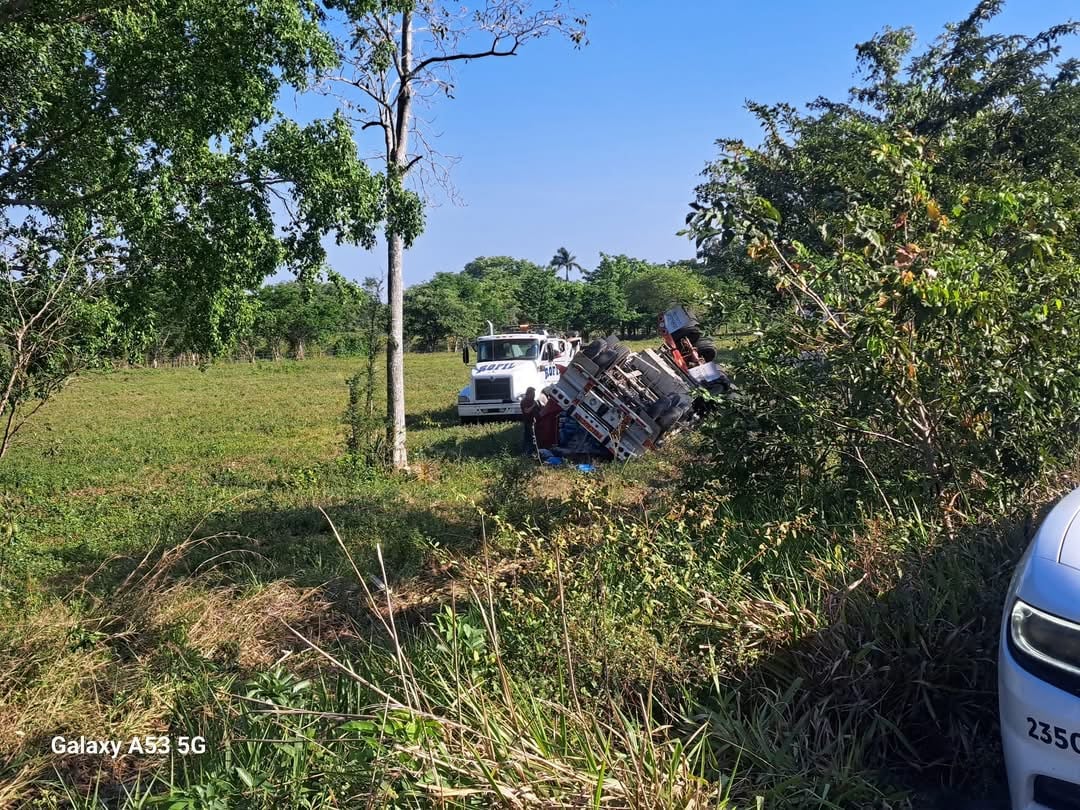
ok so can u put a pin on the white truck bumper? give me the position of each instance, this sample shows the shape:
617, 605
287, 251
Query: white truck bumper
474, 410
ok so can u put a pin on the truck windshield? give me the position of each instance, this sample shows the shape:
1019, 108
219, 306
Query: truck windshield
489, 350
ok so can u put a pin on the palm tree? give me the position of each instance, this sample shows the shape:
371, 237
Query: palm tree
563, 260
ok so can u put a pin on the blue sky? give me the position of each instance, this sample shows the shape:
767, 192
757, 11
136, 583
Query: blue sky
599, 149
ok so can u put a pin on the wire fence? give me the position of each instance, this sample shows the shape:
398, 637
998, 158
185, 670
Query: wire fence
282, 353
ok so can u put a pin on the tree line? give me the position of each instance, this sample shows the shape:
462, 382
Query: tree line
621, 295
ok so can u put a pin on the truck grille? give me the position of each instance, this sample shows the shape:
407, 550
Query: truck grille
493, 388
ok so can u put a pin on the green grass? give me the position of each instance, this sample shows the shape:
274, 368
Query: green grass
138, 462
634, 638
124, 460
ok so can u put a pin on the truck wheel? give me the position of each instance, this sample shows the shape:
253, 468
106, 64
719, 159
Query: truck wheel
614, 353
661, 405
673, 414
691, 333
594, 348
706, 347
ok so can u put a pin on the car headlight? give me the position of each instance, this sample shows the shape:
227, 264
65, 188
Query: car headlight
1045, 640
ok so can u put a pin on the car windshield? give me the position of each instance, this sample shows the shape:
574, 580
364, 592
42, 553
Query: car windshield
489, 350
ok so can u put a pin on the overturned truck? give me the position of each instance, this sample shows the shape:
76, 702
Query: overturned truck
616, 403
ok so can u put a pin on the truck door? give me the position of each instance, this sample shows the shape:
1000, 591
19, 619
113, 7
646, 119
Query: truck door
548, 361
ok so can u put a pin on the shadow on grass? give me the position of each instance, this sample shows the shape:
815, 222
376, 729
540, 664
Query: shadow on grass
477, 441
256, 544
433, 418
393, 534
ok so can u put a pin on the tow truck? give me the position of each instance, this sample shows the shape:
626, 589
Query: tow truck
508, 363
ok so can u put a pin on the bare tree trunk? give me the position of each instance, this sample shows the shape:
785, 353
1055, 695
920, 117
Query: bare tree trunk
395, 357
397, 142
391, 83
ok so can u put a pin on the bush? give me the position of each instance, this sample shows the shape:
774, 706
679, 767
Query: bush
934, 359
348, 345
918, 248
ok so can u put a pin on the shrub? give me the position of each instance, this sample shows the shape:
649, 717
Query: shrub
928, 354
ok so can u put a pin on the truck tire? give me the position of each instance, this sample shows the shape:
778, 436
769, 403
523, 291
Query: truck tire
706, 347
594, 348
673, 414
614, 353
656, 408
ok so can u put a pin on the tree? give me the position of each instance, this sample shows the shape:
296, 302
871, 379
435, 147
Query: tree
435, 311
302, 314
918, 249
654, 290
571, 297
140, 154
538, 297
492, 283
562, 260
604, 305
399, 53
483, 267
992, 105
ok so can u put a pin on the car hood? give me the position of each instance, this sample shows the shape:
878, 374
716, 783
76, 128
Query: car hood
1048, 576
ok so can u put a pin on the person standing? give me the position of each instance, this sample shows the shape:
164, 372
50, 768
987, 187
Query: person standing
531, 405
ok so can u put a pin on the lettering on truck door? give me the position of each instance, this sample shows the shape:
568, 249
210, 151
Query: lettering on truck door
550, 369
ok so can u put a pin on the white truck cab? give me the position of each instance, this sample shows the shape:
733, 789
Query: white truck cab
507, 365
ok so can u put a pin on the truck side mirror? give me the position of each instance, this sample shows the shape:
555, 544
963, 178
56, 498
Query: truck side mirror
465, 354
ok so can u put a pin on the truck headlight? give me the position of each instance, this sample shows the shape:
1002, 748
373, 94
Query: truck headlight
462, 398
1045, 639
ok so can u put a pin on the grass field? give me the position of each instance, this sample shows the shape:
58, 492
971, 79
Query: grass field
138, 461
190, 551
128, 459
135, 457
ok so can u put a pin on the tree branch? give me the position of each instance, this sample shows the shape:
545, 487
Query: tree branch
455, 57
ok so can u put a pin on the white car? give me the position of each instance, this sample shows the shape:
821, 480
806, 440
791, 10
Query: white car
1039, 667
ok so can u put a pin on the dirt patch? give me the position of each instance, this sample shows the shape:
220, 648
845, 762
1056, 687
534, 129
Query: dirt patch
451, 582
249, 630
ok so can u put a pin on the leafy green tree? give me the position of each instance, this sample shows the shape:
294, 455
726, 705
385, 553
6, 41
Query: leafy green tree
563, 260
302, 314
604, 306
658, 288
141, 156
436, 311
538, 297
571, 297
918, 247
483, 267
495, 288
